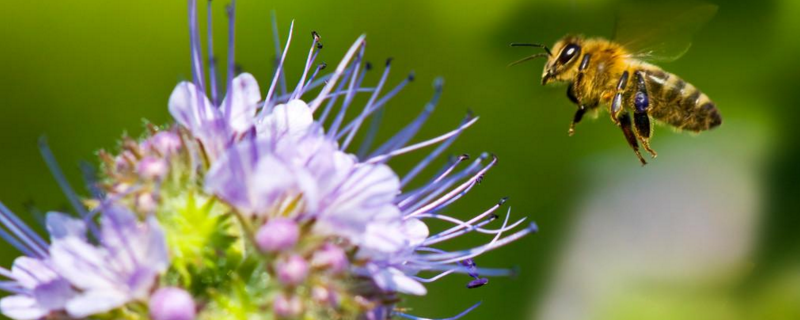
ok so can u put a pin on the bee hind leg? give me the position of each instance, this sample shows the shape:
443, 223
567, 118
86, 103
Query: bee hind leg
641, 103
624, 122
643, 130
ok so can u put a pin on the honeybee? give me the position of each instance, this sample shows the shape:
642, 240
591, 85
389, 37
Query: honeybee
618, 74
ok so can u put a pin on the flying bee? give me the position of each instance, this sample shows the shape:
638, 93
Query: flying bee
618, 74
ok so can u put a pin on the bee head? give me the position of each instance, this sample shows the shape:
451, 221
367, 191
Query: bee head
563, 61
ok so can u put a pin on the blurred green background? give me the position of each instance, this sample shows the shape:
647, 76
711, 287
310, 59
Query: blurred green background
709, 230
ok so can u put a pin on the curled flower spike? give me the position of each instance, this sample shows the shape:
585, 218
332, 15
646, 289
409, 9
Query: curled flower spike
261, 201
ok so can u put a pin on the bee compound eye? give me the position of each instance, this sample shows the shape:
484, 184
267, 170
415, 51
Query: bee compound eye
569, 51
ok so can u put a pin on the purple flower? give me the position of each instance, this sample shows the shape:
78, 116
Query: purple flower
123, 268
37, 288
75, 276
281, 161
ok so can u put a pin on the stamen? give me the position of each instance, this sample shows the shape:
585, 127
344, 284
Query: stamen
268, 100
428, 159
27, 238
463, 313
336, 74
378, 105
212, 59
471, 253
363, 115
371, 133
433, 189
13, 287
194, 38
434, 278
444, 174
455, 191
404, 135
308, 84
312, 55
423, 144
334, 97
231, 11
355, 81
277, 40
55, 170
6, 273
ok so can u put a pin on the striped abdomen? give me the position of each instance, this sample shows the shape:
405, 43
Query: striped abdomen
679, 103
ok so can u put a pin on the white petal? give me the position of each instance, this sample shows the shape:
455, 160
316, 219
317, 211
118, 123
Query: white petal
382, 237
21, 307
416, 231
364, 197
391, 279
30, 272
82, 264
61, 225
246, 95
54, 294
291, 119
94, 302
183, 105
156, 255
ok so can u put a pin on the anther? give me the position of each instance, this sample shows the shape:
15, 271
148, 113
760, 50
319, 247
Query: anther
389, 61
502, 201
411, 76
477, 283
323, 65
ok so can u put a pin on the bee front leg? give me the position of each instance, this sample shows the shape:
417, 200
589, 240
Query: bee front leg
573, 94
641, 103
624, 122
578, 113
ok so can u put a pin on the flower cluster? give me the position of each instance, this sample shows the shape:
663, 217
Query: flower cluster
252, 207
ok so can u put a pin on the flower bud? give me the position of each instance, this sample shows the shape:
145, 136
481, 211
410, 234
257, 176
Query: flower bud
331, 257
171, 303
146, 202
277, 234
152, 168
165, 142
287, 307
292, 271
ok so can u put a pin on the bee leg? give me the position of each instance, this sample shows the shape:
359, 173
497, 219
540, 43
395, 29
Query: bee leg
624, 122
616, 102
578, 113
643, 130
572, 94
641, 102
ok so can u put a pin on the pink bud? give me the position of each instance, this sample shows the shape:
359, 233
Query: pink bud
321, 295
171, 303
152, 168
277, 234
123, 161
331, 257
165, 142
292, 271
287, 307
145, 202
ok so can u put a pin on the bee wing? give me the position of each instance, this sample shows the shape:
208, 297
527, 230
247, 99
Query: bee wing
660, 33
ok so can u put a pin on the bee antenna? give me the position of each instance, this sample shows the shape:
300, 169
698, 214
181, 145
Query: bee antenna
536, 45
538, 55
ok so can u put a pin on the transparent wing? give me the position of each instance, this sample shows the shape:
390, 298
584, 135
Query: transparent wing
660, 32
